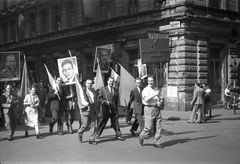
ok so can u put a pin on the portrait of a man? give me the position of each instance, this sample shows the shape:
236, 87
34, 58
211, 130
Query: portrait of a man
102, 56
10, 63
67, 70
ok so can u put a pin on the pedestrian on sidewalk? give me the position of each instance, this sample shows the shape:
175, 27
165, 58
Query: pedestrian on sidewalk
89, 113
227, 95
152, 113
136, 100
197, 101
7, 101
208, 102
31, 102
108, 98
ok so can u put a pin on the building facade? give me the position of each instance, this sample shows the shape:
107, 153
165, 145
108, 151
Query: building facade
204, 35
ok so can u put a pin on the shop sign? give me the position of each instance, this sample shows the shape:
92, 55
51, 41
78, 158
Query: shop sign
154, 50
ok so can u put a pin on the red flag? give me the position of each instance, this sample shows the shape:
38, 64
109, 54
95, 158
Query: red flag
91, 9
82, 103
99, 80
24, 85
127, 83
116, 78
51, 79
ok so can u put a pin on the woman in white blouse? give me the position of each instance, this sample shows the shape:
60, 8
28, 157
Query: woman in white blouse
31, 103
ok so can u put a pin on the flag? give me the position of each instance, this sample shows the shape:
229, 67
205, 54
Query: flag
82, 103
91, 9
24, 85
116, 78
127, 83
21, 25
51, 79
99, 80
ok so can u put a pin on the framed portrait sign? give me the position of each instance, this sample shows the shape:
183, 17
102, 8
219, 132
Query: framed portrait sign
10, 66
103, 54
67, 68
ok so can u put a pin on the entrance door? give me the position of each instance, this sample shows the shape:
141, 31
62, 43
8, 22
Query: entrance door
215, 74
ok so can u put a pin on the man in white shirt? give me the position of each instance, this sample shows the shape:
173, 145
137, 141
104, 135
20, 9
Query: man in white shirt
152, 113
227, 97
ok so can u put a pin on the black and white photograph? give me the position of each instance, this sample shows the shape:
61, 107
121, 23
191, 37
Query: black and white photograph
67, 69
10, 66
157, 81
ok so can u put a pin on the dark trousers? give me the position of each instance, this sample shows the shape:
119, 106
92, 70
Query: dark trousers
57, 116
138, 122
10, 122
69, 118
129, 115
114, 121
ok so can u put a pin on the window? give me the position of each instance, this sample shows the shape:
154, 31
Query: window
4, 32
215, 67
72, 14
216, 3
56, 18
12, 30
159, 3
32, 25
133, 6
43, 22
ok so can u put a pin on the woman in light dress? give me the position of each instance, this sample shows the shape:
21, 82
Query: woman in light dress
31, 103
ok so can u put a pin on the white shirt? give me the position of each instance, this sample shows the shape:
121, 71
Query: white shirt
90, 96
148, 91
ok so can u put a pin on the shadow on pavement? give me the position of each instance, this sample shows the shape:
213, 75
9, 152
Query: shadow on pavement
180, 141
169, 133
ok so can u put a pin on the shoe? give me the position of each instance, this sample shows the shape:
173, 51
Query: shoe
140, 141
120, 138
190, 122
39, 136
10, 138
50, 128
80, 138
158, 146
92, 142
133, 134
26, 133
60, 133
98, 137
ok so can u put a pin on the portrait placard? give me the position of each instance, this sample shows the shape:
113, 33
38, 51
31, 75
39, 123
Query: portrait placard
103, 54
10, 66
67, 68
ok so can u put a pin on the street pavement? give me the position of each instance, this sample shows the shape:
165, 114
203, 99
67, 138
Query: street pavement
216, 141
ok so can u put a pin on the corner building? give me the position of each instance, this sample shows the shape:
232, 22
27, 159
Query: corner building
204, 35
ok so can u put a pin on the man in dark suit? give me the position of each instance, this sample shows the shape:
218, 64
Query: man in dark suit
108, 98
136, 99
56, 106
89, 113
197, 101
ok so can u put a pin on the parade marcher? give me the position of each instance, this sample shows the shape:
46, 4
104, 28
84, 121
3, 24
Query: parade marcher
136, 99
31, 102
56, 106
42, 94
108, 98
7, 101
69, 96
89, 113
152, 113
197, 101
227, 95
